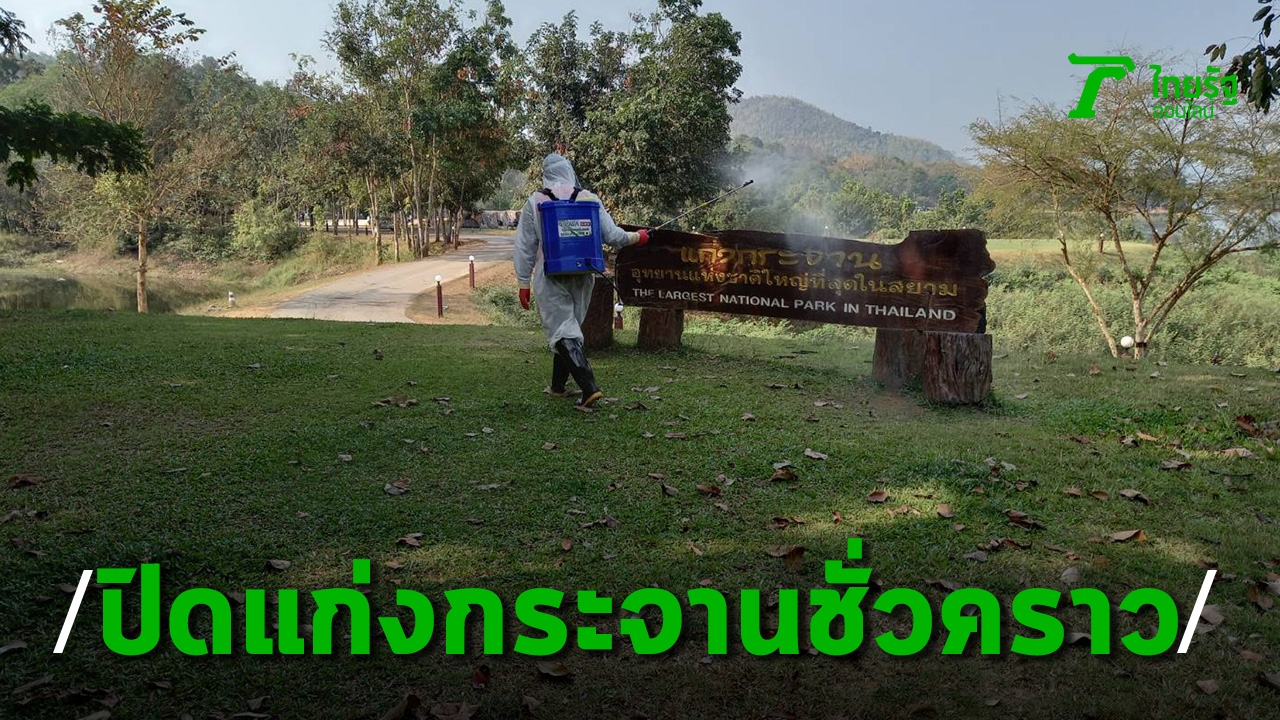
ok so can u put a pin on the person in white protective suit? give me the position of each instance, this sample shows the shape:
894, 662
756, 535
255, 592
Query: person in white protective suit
563, 299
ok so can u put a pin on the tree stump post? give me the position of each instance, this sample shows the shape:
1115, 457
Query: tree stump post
660, 330
899, 358
597, 329
957, 368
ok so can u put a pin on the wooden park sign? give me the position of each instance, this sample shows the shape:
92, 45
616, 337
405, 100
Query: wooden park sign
932, 283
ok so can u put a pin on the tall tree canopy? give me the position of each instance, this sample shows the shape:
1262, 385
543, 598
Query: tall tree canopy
35, 131
646, 114
1203, 189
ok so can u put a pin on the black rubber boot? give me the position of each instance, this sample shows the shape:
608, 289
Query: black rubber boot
559, 375
581, 371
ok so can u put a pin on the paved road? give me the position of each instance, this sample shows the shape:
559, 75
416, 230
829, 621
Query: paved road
384, 294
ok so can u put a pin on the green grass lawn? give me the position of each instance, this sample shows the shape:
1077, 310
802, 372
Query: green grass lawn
213, 446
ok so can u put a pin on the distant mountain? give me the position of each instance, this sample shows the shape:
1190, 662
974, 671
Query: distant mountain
801, 126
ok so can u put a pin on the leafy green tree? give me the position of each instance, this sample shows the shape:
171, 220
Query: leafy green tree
392, 48
1258, 68
567, 77
1204, 190
659, 144
466, 122
35, 131
126, 67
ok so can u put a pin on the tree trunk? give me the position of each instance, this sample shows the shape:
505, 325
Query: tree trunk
431, 200
660, 329
957, 368
457, 230
598, 327
417, 197
373, 214
143, 306
899, 358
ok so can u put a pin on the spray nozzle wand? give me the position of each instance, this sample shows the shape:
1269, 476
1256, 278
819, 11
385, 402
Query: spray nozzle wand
708, 203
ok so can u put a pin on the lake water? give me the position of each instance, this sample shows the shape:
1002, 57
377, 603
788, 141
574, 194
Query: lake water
24, 290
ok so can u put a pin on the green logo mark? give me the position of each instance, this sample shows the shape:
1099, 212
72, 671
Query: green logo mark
1210, 86
1116, 67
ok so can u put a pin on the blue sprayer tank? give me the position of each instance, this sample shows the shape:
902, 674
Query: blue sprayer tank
572, 243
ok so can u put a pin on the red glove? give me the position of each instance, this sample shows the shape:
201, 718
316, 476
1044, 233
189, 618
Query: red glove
524, 298
644, 238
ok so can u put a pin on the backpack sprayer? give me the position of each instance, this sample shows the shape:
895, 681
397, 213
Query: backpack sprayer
571, 240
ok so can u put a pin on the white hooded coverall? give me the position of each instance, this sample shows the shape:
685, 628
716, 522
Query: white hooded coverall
562, 299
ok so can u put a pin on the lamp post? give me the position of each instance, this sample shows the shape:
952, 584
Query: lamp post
472, 260
439, 296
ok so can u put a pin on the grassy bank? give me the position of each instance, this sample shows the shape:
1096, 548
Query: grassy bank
214, 446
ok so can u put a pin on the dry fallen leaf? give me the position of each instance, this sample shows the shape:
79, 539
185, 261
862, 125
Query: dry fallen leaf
38, 682
977, 556
1070, 576
279, 565
15, 645
1175, 465
1135, 496
836, 517
779, 551
554, 669
1100, 495
566, 544
549, 447
795, 559
1237, 454
397, 488
814, 455
1258, 596
23, 481
879, 497
257, 703
946, 512
784, 474
480, 679
669, 491
1209, 687
709, 490
748, 418
1075, 492
411, 540
1023, 520
1212, 614
1129, 536
530, 704
696, 550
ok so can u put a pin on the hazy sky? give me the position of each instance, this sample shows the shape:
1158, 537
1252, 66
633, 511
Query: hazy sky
924, 68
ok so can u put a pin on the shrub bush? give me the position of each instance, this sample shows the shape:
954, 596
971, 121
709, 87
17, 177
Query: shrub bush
264, 232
